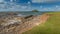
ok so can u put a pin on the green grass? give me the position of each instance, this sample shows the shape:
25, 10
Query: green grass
52, 26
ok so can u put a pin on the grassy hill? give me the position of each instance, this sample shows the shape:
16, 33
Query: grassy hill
52, 25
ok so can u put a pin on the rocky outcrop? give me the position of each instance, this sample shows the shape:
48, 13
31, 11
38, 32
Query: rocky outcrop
13, 23
17, 25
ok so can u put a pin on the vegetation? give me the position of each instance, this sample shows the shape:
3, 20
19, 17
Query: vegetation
34, 10
52, 25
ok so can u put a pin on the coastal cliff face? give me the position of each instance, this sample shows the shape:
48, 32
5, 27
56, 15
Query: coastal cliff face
13, 24
17, 25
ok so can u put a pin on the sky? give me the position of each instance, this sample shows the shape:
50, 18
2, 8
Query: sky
29, 5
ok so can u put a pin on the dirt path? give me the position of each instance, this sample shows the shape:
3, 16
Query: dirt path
43, 18
35, 22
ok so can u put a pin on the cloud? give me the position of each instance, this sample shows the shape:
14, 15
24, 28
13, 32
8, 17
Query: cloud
29, 2
36, 1
1, 0
10, 7
23, 7
42, 1
53, 8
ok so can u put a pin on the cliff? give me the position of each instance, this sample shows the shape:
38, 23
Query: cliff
18, 25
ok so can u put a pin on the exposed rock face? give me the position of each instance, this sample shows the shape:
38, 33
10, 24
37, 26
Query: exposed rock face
13, 24
17, 25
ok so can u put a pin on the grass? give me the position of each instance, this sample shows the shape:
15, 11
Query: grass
52, 25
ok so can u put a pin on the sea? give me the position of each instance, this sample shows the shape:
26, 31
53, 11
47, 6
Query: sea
30, 13
23, 13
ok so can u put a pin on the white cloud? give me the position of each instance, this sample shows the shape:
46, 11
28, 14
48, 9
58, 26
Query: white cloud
57, 6
1, 0
35, 1
6, 7
41, 1
28, 2
11, 0
53, 8
23, 7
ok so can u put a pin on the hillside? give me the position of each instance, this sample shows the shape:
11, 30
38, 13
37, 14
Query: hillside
51, 26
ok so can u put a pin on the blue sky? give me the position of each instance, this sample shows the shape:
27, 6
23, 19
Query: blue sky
28, 5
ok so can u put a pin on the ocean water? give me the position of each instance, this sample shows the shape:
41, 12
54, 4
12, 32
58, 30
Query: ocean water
30, 13
22, 14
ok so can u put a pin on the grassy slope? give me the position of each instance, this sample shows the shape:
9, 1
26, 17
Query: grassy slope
52, 26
